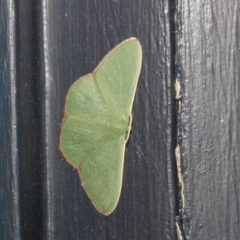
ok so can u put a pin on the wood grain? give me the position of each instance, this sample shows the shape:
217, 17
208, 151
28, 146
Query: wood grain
56, 43
208, 56
46, 46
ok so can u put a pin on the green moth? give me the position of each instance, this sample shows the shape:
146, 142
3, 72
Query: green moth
97, 123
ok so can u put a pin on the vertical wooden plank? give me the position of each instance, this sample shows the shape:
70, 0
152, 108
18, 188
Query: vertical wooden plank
45, 47
29, 105
209, 60
9, 184
76, 35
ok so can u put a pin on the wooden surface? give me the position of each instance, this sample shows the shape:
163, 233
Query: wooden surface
209, 59
46, 46
9, 159
56, 43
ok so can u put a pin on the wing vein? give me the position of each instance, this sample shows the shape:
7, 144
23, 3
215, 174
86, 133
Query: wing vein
107, 102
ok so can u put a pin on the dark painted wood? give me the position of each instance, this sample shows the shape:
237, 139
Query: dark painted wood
209, 61
9, 160
46, 47
77, 34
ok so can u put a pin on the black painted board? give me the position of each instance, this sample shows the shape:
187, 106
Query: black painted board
59, 41
208, 59
9, 181
77, 34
